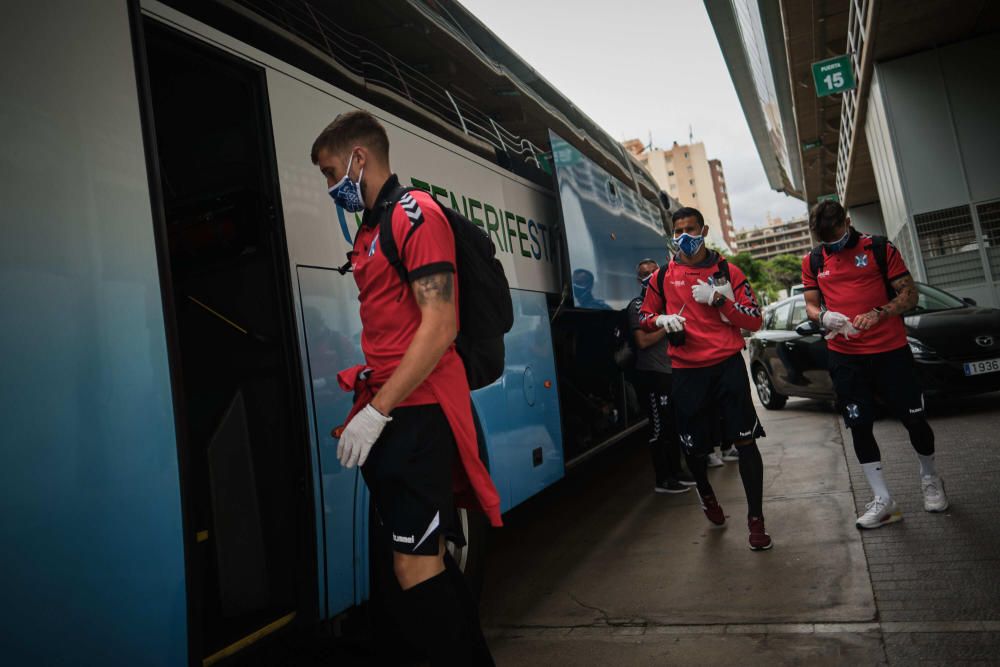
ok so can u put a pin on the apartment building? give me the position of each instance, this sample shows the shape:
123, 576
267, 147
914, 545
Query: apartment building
777, 237
685, 173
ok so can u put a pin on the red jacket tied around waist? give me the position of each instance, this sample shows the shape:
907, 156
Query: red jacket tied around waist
471, 482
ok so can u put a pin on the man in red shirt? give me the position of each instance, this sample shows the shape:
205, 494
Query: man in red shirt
867, 348
412, 419
702, 309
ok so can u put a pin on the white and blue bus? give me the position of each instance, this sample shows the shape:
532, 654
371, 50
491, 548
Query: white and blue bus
173, 320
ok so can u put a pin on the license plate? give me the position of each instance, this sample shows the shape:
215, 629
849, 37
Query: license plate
980, 367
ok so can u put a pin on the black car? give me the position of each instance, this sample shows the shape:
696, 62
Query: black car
956, 346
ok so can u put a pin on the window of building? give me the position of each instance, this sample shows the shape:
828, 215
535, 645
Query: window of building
685, 154
694, 194
690, 181
670, 173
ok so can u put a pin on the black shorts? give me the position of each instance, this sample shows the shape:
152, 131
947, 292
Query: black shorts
409, 476
704, 396
858, 378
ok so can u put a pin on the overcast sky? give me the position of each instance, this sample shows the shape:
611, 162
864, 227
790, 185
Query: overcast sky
641, 66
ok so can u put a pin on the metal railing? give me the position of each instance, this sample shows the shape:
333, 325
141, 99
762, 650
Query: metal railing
376, 66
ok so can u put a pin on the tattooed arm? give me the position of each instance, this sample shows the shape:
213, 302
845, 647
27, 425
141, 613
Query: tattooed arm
435, 296
906, 299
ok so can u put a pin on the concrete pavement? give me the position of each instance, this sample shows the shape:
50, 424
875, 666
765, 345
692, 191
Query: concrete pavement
937, 577
600, 570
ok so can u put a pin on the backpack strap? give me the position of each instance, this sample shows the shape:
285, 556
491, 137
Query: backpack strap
661, 275
880, 248
386, 239
816, 262
723, 267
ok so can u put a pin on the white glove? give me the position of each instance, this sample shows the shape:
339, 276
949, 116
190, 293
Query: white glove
726, 290
672, 323
703, 292
359, 435
837, 323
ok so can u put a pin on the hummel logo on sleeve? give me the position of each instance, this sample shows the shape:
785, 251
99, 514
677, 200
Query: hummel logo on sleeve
412, 208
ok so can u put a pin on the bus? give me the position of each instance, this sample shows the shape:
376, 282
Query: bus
174, 320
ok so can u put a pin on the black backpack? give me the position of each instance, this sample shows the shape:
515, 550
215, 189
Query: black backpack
879, 249
485, 310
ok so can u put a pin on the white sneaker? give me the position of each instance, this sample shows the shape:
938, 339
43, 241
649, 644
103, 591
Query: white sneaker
714, 461
731, 454
934, 498
879, 513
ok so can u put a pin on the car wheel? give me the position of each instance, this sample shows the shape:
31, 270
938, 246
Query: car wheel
766, 392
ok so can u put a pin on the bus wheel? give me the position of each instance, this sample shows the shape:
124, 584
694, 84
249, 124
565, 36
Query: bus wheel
471, 558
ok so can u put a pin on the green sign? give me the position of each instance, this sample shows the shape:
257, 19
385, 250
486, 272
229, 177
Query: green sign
833, 76
809, 145
827, 198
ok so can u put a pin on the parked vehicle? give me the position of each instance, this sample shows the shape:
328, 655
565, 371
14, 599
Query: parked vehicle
955, 343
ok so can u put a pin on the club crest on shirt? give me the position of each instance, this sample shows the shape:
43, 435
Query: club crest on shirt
861, 260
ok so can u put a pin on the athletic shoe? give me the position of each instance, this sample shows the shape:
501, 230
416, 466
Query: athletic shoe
670, 485
712, 509
934, 498
685, 479
714, 461
731, 454
879, 512
759, 539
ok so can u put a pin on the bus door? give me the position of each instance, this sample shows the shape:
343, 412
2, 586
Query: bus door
246, 485
319, 235
608, 228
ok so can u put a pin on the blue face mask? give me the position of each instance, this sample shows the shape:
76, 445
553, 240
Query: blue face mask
347, 194
645, 281
688, 244
835, 246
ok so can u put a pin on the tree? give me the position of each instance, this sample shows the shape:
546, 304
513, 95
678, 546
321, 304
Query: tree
755, 271
784, 270
752, 268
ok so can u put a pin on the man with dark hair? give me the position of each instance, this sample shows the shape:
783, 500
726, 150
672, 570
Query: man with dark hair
709, 374
652, 381
412, 416
857, 287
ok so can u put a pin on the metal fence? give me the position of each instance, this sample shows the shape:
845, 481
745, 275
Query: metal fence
377, 67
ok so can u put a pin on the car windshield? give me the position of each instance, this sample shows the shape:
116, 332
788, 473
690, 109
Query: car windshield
931, 299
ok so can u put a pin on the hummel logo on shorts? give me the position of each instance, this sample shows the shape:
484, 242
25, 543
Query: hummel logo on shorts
405, 540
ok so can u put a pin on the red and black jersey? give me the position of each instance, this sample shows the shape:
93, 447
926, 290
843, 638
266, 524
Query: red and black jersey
709, 339
852, 284
390, 318
389, 312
